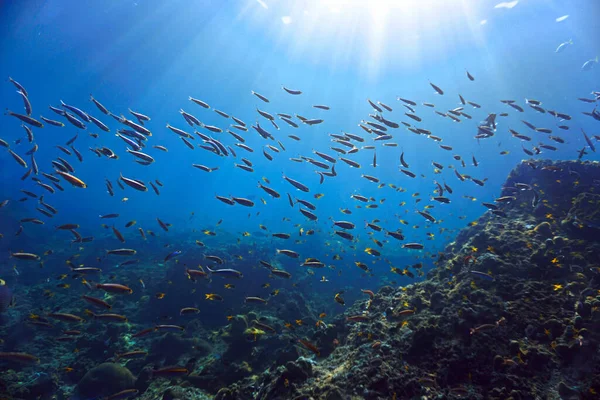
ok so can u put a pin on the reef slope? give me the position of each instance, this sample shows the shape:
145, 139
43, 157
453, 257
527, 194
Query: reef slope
523, 325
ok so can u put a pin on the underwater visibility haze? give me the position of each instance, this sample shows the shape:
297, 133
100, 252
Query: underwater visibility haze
275, 199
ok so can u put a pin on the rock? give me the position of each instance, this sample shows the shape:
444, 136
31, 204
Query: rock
104, 380
174, 393
38, 388
544, 229
333, 393
436, 301
143, 380
225, 394
566, 391
559, 241
584, 215
171, 347
514, 346
498, 362
554, 326
386, 290
375, 362
300, 370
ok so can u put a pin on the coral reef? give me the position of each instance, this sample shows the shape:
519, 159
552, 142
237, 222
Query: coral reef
511, 311
104, 380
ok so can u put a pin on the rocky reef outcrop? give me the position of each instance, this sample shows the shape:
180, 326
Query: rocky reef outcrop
512, 310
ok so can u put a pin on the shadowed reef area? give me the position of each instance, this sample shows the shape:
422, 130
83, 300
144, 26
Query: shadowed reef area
510, 311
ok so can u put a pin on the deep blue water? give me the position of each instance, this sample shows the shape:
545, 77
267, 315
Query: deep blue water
151, 55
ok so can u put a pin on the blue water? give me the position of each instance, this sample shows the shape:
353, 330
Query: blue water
151, 55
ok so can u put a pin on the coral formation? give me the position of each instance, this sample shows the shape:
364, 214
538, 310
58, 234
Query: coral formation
104, 380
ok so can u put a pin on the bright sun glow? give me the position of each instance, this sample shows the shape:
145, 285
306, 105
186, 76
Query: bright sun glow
336, 30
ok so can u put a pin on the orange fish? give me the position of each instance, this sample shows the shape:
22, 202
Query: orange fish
310, 346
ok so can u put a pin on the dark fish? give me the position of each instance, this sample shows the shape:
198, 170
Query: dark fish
155, 189
516, 107
18, 86
260, 96
25, 118
199, 102
408, 173
296, 184
404, 163
589, 142
172, 255
243, 201
344, 235
74, 121
26, 102
225, 200
102, 109
375, 106
99, 123
81, 114
291, 91
412, 103
415, 117
437, 89
308, 214
270, 191
164, 226
118, 235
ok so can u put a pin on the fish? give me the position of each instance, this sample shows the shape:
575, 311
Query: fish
588, 141
254, 300
170, 372
306, 344
437, 89
296, 184
172, 255
122, 252
18, 158
25, 256
292, 91
25, 118
226, 273
263, 98
561, 47
26, 103
19, 87
114, 288
482, 275
19, 358
133, 183
413, 246
589, 64
289, 253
